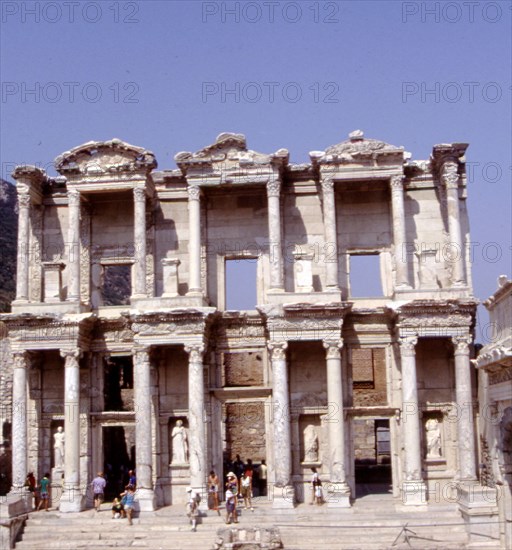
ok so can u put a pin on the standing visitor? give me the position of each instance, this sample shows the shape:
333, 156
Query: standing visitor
193, 507
127, 500
98, 489
213, 491
44, 491
230, 507
262, 471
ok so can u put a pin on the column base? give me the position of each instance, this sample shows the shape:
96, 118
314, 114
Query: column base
283, 497
338, 496
72, 500
18, 501
414, 493
478, 506
146, 500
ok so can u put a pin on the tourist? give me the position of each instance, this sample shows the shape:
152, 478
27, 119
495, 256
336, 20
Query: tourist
262, 475
117, 509
238, 467
231, 513
213, 492
316, 488
44, 491
127, 500
246, 490
132, 480
31, 485
194, 499
98, 490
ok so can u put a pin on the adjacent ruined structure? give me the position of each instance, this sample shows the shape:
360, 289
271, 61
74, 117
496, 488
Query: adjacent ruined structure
314, 375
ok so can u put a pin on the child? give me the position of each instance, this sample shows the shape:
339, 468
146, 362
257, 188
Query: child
117, 509
127, 501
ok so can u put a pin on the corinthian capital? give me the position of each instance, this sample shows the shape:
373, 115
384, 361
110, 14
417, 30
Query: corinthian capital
462, 344
195, 352
333, 348
194, 192
397, 183
70, 356
139, 194
450, 174
277, 350
73, 197
408, 344
23, 200
21, 359
327, 185
273, 188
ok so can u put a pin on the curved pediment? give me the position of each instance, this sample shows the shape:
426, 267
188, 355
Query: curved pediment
229, 149
102, 157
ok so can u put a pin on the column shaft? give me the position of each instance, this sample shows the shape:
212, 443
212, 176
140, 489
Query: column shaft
74, 246
139, 235
197, 437
450, 178
399, 231
194, 239
19, 421
274, 235
465, 424
330, 233
23, 256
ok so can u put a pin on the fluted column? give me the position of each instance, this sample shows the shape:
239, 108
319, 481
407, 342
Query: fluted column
330, 234
399, 232
23, 256
143, 438
450, 177
19, 420
197, 434
139, 236
74, 246
340, 492
194, 239
274, 234
283, 492
413, 486
71, 500
465, 424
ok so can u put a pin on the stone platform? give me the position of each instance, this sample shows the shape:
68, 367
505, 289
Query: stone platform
375, 522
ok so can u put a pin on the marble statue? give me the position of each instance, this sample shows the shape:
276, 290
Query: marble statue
433, 438
310, 444
179, 443
58, 447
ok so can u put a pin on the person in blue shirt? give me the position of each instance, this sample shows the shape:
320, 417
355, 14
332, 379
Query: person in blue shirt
127, 501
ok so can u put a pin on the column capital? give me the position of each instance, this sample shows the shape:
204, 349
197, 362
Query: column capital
139, 193
20, 359
277, 350
73, 197
23, 200
450, 174
397, 182
194, 192
327, 185
195, 352
462, 343
71, 354
333, 348
407, 345
274, 188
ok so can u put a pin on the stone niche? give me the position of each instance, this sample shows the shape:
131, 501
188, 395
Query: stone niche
243, 368
310, 439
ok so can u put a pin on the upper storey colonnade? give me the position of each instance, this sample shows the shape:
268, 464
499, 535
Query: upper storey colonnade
356, 167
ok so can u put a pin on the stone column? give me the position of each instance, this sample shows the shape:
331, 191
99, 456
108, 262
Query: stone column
399, 232
450, 177
196, 412
330, 233
19, 421
71, 500
283, 490
274, 235
74, 246
194, 239
143, 439
465, 425
23, 256
340, 492
413, 486
139, 237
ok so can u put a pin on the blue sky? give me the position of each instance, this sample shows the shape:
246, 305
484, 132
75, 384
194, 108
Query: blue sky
302, 75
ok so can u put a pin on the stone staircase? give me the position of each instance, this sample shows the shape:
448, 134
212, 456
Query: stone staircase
368, 525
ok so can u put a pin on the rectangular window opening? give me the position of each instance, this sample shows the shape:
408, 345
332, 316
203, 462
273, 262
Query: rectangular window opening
118, 384
240, 278
116, 285
365, 279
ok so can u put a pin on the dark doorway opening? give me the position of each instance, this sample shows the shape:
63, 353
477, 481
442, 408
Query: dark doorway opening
118, 388
118, 458
372, 456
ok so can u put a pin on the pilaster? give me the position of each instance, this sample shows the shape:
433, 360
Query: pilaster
330, 232
275, 235
399, 232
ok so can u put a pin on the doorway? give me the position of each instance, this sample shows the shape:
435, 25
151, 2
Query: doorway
118, 457
372, 454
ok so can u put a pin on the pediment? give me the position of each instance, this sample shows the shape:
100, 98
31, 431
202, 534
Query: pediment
96, 158
229, 152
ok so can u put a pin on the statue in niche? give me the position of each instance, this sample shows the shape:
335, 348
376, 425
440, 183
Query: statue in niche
310, 444
433, 438
58, 447
179, 443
